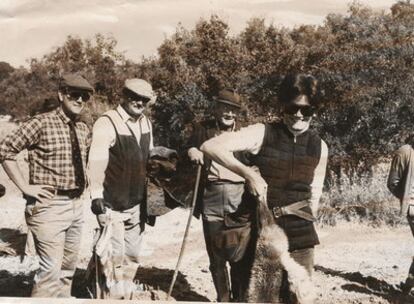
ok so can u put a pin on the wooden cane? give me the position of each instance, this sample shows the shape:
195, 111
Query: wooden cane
97, 280
187, 228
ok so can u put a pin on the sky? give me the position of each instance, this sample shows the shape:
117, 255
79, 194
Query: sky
32, 28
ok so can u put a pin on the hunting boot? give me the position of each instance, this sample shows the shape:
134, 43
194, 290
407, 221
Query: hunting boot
407, 285
409, 282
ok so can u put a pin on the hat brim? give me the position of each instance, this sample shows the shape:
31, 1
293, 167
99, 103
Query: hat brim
230, 103
77, 88
151, 98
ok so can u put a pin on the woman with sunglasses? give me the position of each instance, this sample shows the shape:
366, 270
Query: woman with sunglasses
292, 161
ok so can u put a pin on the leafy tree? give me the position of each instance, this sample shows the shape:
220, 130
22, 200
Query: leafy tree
363, 60
5, 70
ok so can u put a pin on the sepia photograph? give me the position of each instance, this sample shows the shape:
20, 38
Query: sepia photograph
248, 151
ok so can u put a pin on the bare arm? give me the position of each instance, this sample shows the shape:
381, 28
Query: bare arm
220, 149
317, 183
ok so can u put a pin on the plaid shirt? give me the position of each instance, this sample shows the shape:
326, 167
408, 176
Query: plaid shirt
47, 139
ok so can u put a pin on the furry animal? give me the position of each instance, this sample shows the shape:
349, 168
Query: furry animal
272, 256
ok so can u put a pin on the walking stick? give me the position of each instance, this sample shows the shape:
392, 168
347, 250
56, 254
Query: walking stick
97, 281
187, 228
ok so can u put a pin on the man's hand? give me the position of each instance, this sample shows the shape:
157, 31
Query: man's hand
256, 184
98, 206
39, 192
196, 156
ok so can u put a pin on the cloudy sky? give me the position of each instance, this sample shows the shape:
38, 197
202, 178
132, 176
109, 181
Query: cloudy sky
31, 28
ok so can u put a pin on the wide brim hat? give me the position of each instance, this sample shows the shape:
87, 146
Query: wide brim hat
75, 81
228, 97
140, 87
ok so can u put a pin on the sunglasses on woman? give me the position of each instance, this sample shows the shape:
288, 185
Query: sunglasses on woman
305, 110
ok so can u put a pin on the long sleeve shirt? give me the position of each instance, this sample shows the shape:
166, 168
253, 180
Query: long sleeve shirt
103, 138
47, 138
400, 178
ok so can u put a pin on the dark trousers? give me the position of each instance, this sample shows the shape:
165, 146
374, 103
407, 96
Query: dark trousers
239, 271
409, 283
304, 257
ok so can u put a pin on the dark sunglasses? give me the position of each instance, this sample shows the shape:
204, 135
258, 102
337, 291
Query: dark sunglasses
136, 98
75, 95
305, 110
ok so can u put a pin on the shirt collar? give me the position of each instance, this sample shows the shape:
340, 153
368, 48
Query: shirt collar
62, 115
232, 129
125, 116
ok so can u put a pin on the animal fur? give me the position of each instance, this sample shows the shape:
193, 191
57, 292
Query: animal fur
272, 256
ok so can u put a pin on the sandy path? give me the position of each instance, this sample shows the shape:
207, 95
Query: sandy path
355, 263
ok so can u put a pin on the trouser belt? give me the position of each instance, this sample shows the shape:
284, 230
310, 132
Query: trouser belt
73, 193
294, 209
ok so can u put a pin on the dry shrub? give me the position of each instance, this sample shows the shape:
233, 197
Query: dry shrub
361, 198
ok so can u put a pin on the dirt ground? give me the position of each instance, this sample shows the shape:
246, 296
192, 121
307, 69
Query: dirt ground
354, 263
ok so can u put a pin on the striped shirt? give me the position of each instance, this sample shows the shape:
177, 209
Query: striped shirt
47, 138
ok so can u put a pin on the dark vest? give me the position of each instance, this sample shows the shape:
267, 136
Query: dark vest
125, 175
288, 164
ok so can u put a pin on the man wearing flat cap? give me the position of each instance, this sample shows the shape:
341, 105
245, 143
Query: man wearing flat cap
221, 201
121, 143
57, 143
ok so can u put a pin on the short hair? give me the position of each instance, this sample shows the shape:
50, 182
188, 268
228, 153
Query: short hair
294, 85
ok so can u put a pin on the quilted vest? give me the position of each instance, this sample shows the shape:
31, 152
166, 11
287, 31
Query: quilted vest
125, 175
288, 163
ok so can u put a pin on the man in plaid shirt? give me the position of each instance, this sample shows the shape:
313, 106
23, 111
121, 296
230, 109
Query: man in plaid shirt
57, 144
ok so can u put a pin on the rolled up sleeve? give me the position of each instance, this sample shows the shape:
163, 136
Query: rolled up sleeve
27, 135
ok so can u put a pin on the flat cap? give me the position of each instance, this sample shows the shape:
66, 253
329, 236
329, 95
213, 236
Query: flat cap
229, 97
140, 87
75, 81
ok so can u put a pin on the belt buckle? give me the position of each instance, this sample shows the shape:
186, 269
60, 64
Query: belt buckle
277, 212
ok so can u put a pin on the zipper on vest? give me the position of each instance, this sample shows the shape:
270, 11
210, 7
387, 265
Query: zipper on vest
293, 156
